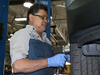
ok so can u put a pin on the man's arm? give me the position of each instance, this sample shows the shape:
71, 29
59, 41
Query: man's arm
28, 65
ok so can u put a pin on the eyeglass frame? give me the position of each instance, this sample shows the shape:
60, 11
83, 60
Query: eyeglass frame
42, 17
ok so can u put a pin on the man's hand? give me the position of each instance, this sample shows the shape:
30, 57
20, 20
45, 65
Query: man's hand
67, 56
57, 60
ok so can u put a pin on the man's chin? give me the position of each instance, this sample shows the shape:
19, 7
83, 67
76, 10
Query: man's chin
43, 29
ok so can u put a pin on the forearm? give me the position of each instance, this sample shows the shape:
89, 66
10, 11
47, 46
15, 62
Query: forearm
28, 65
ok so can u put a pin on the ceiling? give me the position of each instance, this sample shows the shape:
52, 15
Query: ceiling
58, 21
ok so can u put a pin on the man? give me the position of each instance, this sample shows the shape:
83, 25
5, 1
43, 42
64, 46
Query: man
31, 52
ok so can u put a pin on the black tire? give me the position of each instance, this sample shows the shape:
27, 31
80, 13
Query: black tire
83, 65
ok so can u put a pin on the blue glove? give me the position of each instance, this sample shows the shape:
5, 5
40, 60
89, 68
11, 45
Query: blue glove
57, 60
67, 57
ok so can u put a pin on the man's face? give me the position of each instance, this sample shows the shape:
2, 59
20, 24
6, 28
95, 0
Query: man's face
40, 20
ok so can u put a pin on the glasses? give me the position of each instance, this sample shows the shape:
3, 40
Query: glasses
42, 17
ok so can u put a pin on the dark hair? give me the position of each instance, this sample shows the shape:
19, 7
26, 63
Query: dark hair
35, 8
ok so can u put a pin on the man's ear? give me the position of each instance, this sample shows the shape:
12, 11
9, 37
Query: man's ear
31, 17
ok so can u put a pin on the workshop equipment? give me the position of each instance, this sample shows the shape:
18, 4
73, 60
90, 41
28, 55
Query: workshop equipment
58, 50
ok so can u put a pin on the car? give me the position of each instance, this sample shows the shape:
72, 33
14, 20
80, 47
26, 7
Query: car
83, 21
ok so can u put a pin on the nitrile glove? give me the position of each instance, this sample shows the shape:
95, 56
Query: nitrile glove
57, 60
67, 56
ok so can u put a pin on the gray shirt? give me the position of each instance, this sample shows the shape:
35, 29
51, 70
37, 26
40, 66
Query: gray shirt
19, 43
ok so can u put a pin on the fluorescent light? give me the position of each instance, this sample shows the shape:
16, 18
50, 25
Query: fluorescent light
9, 39
68, 44
60, 5
20, 19
63, 6
50, 17
27, 4
11, 34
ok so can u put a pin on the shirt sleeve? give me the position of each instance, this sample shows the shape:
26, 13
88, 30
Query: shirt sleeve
18, 46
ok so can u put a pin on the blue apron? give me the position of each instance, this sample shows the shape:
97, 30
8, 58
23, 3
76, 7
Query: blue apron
39, 50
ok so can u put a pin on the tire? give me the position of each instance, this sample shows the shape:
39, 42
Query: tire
83, 65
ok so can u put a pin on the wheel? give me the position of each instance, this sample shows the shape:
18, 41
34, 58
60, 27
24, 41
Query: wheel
81, 64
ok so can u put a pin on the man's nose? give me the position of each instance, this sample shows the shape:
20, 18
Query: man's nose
46, 20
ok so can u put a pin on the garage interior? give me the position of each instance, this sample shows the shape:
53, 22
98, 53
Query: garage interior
58, 29
84, 28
